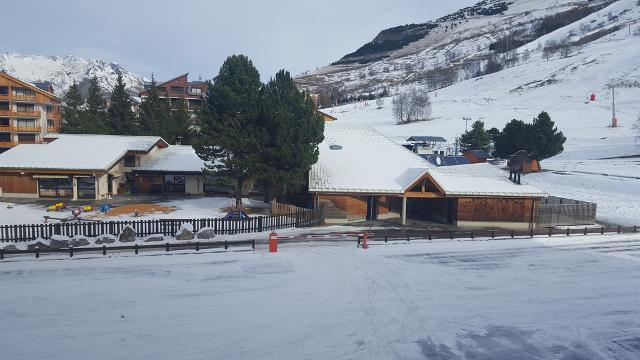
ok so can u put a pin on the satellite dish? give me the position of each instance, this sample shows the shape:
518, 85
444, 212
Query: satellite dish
439, 161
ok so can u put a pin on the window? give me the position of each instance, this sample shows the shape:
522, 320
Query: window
196, 91
130, 161
56, 188
5, 137
25, 107
50, 109
23, 92
177, 89
26, 123
4, 105
50, 123
4, 90
174, 184
27, 138
4, 121
86, 187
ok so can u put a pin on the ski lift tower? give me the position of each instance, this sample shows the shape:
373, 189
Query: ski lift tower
614, 120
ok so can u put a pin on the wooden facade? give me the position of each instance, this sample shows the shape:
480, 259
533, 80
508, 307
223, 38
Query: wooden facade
181, 90
16, 183
27, 113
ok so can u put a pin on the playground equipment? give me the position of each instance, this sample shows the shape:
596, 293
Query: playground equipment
237, 214
57, 207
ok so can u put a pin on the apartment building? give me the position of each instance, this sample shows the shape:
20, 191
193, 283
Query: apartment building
27, 112
180, 89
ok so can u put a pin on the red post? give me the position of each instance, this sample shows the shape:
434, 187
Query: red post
273, 242
365, 239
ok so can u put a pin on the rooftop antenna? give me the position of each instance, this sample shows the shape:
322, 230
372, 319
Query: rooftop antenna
614, 120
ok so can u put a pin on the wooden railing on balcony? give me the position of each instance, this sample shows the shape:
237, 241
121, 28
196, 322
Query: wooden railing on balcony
11, 113
7, 144
29, 129
23, 97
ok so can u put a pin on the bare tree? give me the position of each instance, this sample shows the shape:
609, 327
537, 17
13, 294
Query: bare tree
412, 105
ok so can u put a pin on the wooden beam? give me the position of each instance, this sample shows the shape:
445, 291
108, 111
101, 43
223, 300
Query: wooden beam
404, 210
424, 195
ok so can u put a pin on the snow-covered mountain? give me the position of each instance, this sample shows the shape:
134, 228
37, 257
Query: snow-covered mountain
460, 46
63, 71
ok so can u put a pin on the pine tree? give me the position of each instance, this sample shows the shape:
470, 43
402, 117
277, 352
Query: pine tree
293, 128
72, 111
475, 139
154, 112
121, 119
546, 140
230, 138
177, 126
94, 116
514, 137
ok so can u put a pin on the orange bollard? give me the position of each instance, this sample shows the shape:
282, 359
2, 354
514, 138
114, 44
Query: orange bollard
365, 239
273, 242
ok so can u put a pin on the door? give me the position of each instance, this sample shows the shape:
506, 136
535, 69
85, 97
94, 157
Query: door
372, 208
86, 187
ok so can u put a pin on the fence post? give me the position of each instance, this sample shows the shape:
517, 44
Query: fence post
358, 240
253, 244
226, 244
135, 247
386, 237
568, 232
197, 246
602, 230
585, 231
472, 237
260, 224
70, 251
1, 254
531, 232
104, 250
493, 234
167, 246
37, 252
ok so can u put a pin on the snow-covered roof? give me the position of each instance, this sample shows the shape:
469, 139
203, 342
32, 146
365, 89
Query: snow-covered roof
355, 158
176, 158
76, 152
366, 162
481, 179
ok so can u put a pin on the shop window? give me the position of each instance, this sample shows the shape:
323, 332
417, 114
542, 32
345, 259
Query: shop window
174, 183
55, 188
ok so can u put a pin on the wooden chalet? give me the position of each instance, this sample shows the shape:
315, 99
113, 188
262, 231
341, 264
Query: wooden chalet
180, 90
96, 166
361, 174
27, 112
477, 156
521, 162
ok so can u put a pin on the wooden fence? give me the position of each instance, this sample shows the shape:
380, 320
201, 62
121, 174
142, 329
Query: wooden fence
555, 211
278, 208
167, 227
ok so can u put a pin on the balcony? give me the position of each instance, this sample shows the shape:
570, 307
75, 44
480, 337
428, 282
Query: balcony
4, 144
27, 114
23, 97
26, 129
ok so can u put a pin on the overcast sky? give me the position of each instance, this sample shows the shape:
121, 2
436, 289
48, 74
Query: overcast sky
171, 37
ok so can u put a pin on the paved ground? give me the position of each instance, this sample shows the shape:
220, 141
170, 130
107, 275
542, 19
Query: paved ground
560, 298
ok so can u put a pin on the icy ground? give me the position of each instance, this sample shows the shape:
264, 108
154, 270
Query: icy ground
564, 298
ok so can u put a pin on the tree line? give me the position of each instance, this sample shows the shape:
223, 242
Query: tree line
94, 115
540, 138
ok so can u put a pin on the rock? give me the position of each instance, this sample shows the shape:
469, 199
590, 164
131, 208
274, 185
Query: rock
59, 242
10, 247
185, 232
154, 238
206, 233
78, 241
38, 244
105, 239
128, 234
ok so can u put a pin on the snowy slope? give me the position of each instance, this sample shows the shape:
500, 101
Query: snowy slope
456, 49
63, 71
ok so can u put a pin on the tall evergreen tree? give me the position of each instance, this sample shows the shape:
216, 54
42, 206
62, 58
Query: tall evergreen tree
177, 127
121, 119
293, 131
94, 116
154, 112
475, 139
514, 137
546, 140
72, 111
230, 138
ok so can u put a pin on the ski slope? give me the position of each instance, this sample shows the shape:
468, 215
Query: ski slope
559, 298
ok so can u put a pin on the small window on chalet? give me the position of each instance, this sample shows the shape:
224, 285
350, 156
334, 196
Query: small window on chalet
130, 161
4, 90
196, 90
23, 92
50, 123
28, 138
4, 105
25, 107
4, 121
5, 137
177, 89
49, 109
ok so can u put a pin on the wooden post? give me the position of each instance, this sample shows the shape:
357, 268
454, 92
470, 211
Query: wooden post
104, 250
136, 248
585, 231
197, 246
37, 252
1, 254
568, 231
226, 244
70, 251
602, 230
531, 233
167, 246
404, 210
253, 244
385, 237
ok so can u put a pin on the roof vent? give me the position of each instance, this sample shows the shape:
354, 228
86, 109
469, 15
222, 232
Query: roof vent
335, 147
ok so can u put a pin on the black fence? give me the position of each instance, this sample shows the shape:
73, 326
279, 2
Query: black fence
166, 227
555, 211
